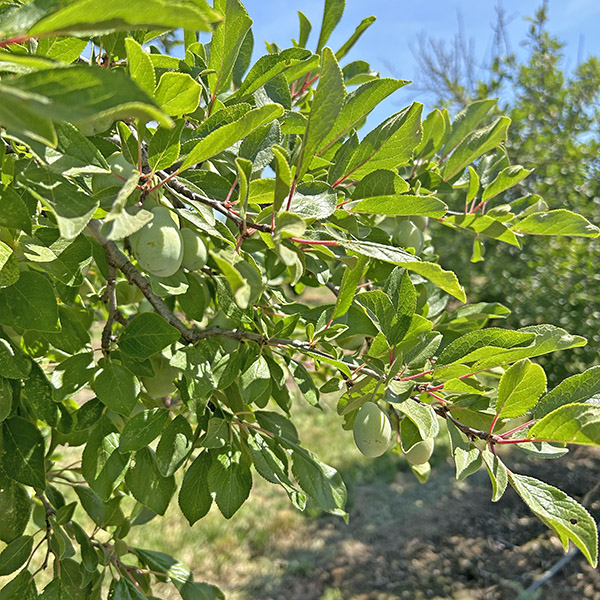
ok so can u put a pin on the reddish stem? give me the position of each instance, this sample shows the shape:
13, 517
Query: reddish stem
494, 420
15, 40
439, 398
292, 190
507, 433
519, 441
409, 377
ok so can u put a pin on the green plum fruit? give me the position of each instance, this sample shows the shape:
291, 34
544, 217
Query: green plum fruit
420, 452
420, 222
158, 246
121, 170
162, 382
372, 430
408, 235
195, 253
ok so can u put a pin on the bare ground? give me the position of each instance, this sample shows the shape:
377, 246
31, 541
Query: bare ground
442, 540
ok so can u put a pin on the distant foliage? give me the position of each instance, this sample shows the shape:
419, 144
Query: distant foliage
554, 132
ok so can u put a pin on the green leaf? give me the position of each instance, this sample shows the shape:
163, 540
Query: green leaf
404, 205
255, 382
177, 93
305, 29
380, 183
230, 480
15, 505
506, 179
357, 106
32, 303
557, 222
466, 347
572, 423
87, 17
445, 280
39, 396
484, 225
23, 458
22, 587
140, 66
434, 132
102, 465
147, 484
568, 519
356, 35
389, 145
147, 334
465, 123
117, 388
71, 205
320, 481
304, 382
15, 554
142, 429
194, 497
326, 106
88, 97
20, 119
164, 147
350, 280
422, 416
14, 213
313, 200
332, 13
222, 138
272, 467
14, 364
175, 446
577, 388
497, 472
520, 387
226, 43
475, 144
266, 68
548, 339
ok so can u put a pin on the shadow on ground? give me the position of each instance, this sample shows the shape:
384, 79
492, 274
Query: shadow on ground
442, 540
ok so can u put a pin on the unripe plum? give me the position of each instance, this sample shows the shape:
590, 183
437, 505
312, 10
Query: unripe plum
420, 222
121, 170
408, 235
162, 382
194, 250
420, 452
372, 430
158, 246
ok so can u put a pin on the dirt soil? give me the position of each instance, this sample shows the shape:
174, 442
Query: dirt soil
442, 540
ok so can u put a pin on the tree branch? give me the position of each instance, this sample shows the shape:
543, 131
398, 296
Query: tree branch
177, 186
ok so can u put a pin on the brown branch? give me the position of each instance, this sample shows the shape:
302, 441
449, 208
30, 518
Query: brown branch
177, 186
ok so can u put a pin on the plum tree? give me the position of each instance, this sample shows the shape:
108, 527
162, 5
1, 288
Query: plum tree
158, 246
372, 430
290, 290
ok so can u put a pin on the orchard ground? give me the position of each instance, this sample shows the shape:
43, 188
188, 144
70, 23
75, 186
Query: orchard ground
441, 540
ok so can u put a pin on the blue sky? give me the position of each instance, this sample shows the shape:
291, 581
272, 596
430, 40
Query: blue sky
387, 44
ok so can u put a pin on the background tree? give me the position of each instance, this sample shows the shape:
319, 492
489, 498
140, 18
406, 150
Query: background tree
162, 221
554, 131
